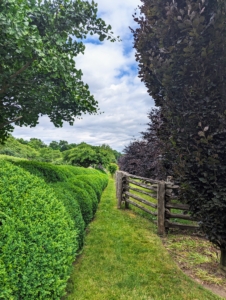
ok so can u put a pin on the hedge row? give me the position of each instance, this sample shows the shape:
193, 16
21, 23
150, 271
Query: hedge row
43, 225
37, 237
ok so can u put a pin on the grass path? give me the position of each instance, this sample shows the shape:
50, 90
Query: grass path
123, 259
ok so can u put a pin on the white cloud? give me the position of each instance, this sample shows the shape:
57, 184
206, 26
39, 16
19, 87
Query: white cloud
109, 70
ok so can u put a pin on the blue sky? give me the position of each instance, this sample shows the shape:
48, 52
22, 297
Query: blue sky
110, 70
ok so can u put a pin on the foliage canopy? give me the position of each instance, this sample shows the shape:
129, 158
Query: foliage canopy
39, 43
181, 53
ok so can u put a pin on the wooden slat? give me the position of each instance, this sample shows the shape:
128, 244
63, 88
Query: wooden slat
148, 187
177, 206
178, 225
141, 200
170, 186
142, 208
142, 178
171, 196
143, 192
179, 216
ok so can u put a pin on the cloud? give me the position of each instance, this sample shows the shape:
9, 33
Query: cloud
110, 70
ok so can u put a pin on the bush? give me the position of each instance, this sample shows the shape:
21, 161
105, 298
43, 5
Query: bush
98, 183
47, 171
112, 168
67, 197
37, 238
83, 199
83, 171
91, 192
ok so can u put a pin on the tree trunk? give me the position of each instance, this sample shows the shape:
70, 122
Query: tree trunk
223, 260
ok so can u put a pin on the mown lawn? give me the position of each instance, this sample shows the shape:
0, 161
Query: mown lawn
123, 258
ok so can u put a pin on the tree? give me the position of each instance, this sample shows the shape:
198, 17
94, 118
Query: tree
39, 41
13, 147
181, 53
112, 168
36, 144
145, 157
54, 145
49, 155
85, 155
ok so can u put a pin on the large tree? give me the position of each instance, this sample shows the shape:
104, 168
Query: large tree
85, 155
39, 43
144, 157
181, 53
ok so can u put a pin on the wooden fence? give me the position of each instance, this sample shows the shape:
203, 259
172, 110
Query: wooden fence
160, 200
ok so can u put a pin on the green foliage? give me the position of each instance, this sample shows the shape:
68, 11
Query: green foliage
37, 238
50, 155
83, 171
98, 183
68, 198
13, 147
83, 199
182, 59
61, 145
85, 155
48, 172
112, 168
40, 40
36, 144
89, 189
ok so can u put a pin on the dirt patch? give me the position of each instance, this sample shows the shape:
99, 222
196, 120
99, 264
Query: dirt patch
198, 259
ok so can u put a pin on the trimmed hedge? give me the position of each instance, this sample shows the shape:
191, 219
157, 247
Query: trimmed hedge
89, 189
37, 238
47, 171
83, 171
97, 182
68, 198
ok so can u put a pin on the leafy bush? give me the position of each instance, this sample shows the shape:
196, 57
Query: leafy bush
72, 206
83, 171
49, 172
97, 182
37, 238
13, 147
84, 200
91, 192
112, 168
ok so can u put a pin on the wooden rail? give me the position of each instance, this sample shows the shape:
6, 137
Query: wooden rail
135, 187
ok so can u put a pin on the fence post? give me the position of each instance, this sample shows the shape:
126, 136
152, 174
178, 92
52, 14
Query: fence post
161, 208
127, 190
119, 176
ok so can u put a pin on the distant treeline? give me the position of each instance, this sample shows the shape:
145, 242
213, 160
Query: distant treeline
61, 152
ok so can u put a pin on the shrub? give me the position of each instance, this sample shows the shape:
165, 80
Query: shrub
97, 182
83, 199
47, 171
67, 197
91, 192
112, 168
37, 238
83, 171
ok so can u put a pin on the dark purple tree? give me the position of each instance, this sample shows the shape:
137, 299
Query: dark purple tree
148, 157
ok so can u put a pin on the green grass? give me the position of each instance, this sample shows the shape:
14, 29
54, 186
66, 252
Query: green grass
123, 259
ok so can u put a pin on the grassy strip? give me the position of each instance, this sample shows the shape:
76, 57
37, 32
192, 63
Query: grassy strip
198, 257
124, 259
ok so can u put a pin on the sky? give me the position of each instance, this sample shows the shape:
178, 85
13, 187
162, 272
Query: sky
110, 70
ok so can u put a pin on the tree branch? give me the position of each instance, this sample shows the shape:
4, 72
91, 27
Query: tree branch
9, 122
16, 74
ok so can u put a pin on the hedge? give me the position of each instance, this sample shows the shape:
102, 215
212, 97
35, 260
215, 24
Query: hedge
66, 195
97, 182
47, 171
89, 189
37, 238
